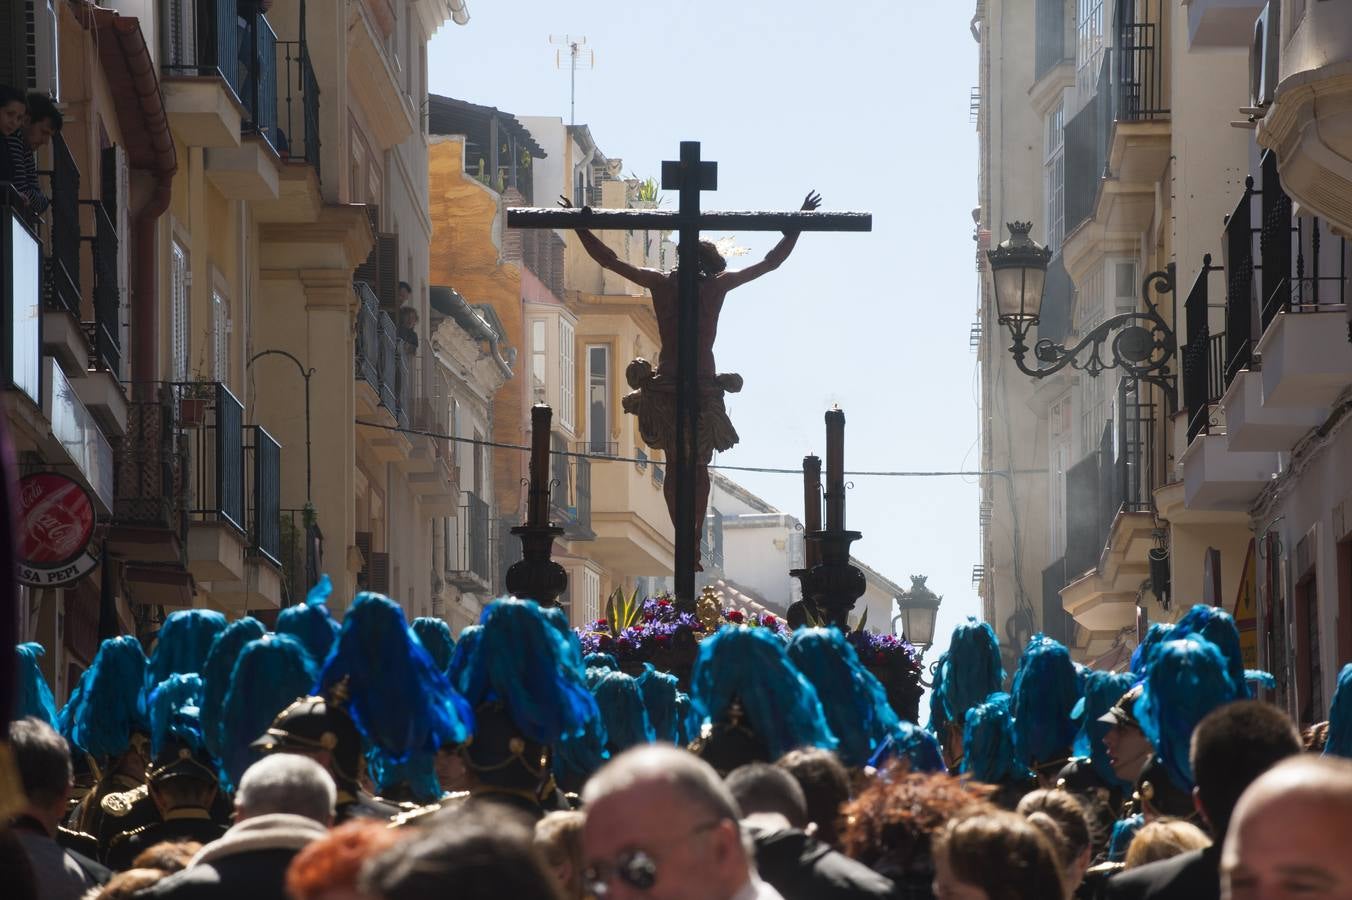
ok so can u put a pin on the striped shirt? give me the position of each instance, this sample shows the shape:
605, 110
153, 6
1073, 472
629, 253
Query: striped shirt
25, 173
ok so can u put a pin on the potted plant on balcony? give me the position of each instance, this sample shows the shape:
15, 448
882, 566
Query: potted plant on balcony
194, 397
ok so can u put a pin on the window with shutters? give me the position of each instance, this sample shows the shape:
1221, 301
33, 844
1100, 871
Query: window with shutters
220, 338
1054, 176
567, 374
1089, 43
591, 595
598, 397
179, 281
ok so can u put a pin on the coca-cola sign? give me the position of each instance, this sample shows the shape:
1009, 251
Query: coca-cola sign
56, 524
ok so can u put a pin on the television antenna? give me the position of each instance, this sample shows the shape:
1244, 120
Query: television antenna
578, 54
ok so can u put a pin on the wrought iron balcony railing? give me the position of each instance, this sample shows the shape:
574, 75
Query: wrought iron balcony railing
64, 262
211, 422
301, 545
1141, 61
298, 114
1203, 357
265, 495
104, 330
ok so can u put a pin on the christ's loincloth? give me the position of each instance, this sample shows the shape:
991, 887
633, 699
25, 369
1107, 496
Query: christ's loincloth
653, 400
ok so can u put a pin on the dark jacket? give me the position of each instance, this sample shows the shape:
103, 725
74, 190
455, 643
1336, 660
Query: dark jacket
1189, 876
800, 866
128, 845
60, 873
249, 860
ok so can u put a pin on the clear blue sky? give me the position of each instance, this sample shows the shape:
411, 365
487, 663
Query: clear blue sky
866, 102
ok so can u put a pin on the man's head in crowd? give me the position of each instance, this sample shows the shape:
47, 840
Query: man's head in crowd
1231, 747
1288, 836
983, 855
763, 790
43, 760
825, 784
286, 783
1128, 747
661, 825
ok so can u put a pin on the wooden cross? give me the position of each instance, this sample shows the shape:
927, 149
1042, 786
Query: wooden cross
689, 175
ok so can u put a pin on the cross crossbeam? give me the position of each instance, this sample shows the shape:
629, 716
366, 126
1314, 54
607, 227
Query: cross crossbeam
689, 176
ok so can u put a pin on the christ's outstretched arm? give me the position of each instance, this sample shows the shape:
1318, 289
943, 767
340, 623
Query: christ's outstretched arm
607, 259
775, 258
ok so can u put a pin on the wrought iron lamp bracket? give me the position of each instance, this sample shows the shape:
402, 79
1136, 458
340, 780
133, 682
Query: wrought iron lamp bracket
1141, 344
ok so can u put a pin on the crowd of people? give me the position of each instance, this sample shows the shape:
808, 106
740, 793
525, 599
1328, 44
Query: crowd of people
383, 760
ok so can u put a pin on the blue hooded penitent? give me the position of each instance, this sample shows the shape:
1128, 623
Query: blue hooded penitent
1218, 626
938, 714
751, 665
989, 743
659, 691
435, 636
914, 744
311, 623
621, 704
460, 657
397, 697
1140, 657
1123, 831
183, 643
109, 704
1188, 678
854, 700
972, 670
1046, 689
1340, 717
221, 659
1101, 691
176, 713
418, 774
271, 674
601, 661
34, 697
521, 659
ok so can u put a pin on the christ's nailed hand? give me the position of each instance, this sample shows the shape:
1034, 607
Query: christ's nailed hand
812, 201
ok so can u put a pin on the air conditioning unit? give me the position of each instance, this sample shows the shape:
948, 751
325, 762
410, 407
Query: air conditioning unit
1264, 56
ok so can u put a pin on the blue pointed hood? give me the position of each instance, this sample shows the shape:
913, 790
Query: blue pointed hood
621, 704
972, 668
311, 623
601, 661
435, 636
854, 700
271, 673
182, 644
914, 744
397, 697
989, 743
1218, 626
175, 714
660, 690
1140, 657
221, 659
109, 704
34, 696
938, 712
751, 665
519, 658
1340, 717
1046, 689
418, 773
1188, 678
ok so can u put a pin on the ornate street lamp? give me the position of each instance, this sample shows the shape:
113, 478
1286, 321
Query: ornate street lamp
1142, 343
919, 607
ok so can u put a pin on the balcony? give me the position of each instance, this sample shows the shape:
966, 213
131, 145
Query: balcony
381, 361
100, 387
300, 554
1204, 359
468, 547
200, 62
211, 426
629, 517
149, 527
262, 584
1307, 116
570, 499
63, 266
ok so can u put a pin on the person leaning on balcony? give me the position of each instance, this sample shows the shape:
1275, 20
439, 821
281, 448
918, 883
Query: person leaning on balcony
13, 108
41, 121
407, 323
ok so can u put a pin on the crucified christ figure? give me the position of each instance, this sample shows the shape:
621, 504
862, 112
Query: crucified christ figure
653, 399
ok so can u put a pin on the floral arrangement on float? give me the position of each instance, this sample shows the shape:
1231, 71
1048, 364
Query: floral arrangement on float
652, 630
